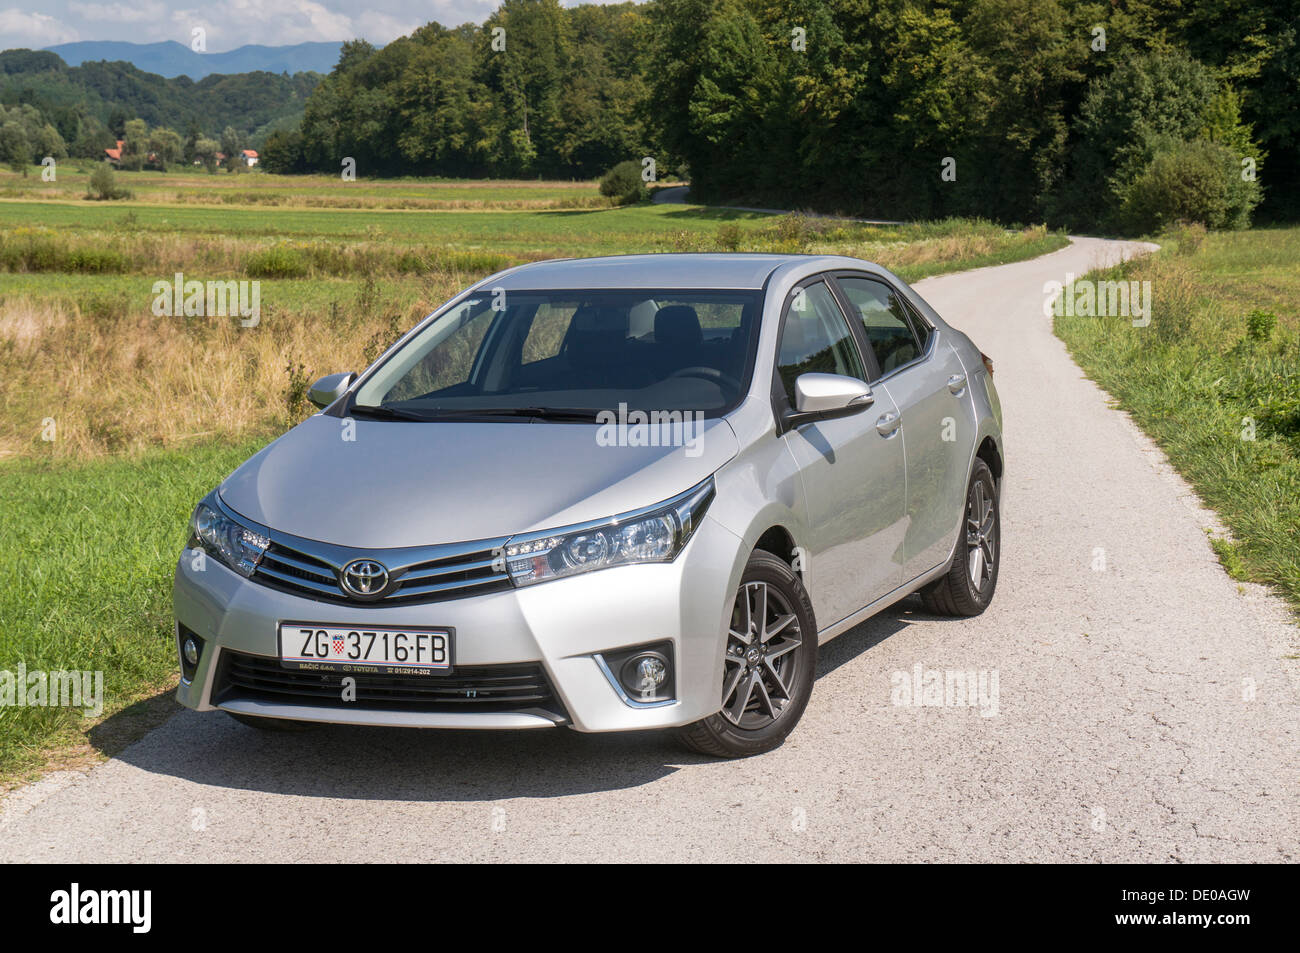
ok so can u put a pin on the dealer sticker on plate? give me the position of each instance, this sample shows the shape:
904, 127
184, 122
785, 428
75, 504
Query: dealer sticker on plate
365, 651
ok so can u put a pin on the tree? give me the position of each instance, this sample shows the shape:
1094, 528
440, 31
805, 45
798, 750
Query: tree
1147, 104
231, 144
103, 184
526, 76
135, 145
282, 153
15, 148
167, 146
205, 150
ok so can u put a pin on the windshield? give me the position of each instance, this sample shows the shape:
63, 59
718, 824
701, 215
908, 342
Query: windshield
571, 354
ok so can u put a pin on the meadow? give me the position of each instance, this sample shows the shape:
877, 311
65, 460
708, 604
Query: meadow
114, 421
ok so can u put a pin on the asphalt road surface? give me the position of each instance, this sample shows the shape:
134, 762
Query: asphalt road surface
1145, 710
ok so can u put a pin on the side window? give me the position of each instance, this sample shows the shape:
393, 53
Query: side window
546, 333
816, 338
884, 319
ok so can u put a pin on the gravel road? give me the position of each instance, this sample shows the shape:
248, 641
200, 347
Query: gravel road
1146, 710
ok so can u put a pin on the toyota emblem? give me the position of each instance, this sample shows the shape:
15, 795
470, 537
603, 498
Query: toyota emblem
364, 578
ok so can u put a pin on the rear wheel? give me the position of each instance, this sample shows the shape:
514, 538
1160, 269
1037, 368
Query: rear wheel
769, 664
967, 588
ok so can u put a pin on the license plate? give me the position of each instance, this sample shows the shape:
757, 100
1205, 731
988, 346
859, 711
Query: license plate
365, 650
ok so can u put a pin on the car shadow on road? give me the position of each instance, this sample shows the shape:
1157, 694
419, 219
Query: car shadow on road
411, 764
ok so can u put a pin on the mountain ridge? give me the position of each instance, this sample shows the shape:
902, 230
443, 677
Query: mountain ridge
171, 59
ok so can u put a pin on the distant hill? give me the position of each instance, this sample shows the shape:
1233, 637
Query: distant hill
173, 59
252, 102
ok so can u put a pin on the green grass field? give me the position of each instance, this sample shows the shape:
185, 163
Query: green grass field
150, 413
92, 547
1215, 380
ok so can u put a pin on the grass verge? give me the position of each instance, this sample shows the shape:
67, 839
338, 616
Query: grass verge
90, 549
1215, 381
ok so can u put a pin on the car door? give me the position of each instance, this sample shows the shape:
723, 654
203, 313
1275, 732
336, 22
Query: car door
927, 383
852, 468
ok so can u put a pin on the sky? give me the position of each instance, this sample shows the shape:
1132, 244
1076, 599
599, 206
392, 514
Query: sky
228, 23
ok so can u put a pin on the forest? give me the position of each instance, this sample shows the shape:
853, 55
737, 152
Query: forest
1121, 115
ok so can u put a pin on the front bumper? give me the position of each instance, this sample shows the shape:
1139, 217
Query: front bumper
561, 625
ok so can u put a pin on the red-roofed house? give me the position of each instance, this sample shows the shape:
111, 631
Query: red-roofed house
250, 157
115, 155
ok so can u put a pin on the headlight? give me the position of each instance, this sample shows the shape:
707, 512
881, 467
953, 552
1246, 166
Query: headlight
217, 534
654, 535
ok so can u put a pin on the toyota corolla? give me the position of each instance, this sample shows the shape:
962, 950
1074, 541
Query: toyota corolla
611, 494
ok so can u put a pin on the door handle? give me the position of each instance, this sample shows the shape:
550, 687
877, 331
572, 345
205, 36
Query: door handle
888, 424
957, 383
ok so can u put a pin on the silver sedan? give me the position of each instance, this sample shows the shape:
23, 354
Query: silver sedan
614, 494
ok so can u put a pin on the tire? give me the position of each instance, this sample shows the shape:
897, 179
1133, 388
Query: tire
765, 718
979, 549
271, 724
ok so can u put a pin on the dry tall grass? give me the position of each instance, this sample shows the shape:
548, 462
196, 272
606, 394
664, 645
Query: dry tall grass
125, 382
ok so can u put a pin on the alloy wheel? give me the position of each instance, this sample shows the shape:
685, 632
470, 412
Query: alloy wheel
980, 536
760, 662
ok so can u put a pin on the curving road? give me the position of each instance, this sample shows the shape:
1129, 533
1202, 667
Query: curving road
1146, 711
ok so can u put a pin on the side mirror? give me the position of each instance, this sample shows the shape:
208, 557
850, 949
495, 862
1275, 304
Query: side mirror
827, 396
329, 389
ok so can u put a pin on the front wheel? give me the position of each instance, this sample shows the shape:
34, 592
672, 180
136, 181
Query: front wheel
769, 664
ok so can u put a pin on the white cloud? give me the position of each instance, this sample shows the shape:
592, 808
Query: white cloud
18, 28
273, 23
380, 28
112, 13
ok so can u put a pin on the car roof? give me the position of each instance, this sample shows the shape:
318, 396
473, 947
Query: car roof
703, 271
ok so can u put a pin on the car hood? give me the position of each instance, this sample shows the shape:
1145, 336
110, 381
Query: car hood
401, 483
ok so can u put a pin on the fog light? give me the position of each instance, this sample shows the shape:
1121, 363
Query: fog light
644, 674
190, 646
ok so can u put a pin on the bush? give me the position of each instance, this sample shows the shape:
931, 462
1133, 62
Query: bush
277, 261
103, 185
623, 183
1149, 104
1189, 238
1189, 182
1260, 324
730, 237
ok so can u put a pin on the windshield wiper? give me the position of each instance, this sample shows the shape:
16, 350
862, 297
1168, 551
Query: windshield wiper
541, 413
382, 412
388, 413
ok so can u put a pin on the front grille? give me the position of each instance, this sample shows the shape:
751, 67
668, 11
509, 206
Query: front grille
484, 688
464, 573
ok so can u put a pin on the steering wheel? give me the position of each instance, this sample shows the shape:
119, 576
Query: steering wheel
708, 374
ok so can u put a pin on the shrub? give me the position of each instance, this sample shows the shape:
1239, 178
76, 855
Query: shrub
1189, 182
1189, 237
278, 261
103, 185
730, 237
1260, 325
623, 183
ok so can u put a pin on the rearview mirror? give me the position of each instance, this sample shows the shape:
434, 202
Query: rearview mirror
329, 389
827, 396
